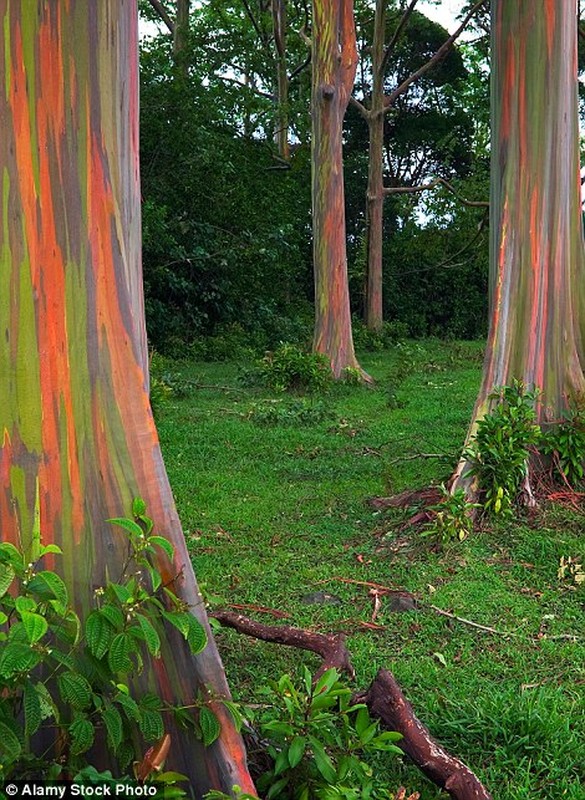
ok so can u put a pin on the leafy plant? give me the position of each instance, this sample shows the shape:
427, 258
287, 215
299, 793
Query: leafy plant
452, 519
565, 442
319, 740
499, 452
571, 569
70, 677
290, 368
297, 411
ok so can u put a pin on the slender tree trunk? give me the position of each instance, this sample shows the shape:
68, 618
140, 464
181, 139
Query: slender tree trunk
181, 31
334, 58
78, 440
279, 27
536, 247
375, 191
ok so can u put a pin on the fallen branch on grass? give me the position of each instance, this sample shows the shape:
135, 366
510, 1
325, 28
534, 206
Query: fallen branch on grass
331, 647
470, 622
384, 698
386, 701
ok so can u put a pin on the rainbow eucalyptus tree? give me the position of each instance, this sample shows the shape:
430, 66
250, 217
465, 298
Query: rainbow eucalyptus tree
78, 437
334, 61
536, 255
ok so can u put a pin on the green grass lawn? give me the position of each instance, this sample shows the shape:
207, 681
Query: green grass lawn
273, 513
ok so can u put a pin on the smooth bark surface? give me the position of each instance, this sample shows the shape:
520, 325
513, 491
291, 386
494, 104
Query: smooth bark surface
334, 59
78, 437
536, 246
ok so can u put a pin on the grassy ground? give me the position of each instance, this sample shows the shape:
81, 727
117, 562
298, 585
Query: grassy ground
275, 513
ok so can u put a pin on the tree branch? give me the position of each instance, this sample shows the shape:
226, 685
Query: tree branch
163, 14
385, 700
330, 647
435, 182
396, 35
360, 107
441, 52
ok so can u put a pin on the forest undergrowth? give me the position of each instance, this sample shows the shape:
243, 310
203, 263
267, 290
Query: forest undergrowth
273, 492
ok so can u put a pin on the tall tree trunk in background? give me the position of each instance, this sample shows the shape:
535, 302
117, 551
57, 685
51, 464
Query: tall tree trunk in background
375, 192
181, 31
536, 249
334, 59
78, 440
279, 28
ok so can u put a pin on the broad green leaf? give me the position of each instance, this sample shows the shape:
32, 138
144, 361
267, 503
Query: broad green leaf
129, 706
47, 706
35, 626
151, 637
128, 525
138, 507
17, 657
210, 725
9, 554
113, 614
82, 734
164, 544
10, 747
196, 637
74, 690
326, 682
7, 575
31, 702
119, 653
113, 722
190, 627
23, 603
98, 633
50, 548
47, 585
151, 725
121, 593
155, 577
322, 760
277, 787
150, 701
296, 751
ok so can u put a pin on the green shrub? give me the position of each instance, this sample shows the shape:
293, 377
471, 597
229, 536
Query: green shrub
319, 741
290, 368
388, 335
565, 442
297, 411
501, 447
452, 518
72, 676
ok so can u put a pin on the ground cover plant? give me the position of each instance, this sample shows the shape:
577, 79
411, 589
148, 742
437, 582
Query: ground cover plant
276, 518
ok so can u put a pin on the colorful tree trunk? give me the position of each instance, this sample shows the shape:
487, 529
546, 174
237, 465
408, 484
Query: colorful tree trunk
334, 59
536, 256
279, 24
78, 437
374, 313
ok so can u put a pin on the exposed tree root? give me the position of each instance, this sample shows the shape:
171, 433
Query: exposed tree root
384, 698
331, 647
427, 496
